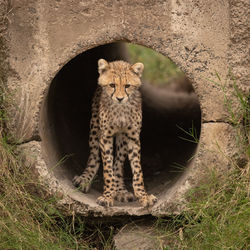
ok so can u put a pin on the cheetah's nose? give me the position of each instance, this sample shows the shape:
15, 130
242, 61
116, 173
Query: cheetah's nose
119, 99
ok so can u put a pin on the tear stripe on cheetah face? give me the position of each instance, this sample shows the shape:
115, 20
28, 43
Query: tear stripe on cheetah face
116, 112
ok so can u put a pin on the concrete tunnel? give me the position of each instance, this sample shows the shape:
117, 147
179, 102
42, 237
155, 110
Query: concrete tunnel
52, 76
166, 115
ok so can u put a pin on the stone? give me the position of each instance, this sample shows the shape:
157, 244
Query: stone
137, 237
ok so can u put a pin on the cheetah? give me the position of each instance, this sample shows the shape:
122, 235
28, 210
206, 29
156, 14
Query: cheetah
116, 113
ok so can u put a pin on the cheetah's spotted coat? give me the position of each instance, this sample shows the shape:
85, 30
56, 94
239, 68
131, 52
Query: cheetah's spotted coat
116, 112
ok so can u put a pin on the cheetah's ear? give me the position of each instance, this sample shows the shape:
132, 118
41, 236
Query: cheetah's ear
102, 65
138, 68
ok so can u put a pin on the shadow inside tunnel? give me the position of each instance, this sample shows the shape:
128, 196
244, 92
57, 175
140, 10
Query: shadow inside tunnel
167, 114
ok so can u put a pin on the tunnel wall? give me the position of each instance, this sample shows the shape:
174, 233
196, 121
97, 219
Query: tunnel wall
199, 36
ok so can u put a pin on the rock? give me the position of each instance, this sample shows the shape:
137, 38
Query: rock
137, 237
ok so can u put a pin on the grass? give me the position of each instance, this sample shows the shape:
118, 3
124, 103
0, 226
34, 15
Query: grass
217, 215
159, 70
30, 218
217, 212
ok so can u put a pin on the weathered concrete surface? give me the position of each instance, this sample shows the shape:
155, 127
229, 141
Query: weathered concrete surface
138, 237
199, 36
239, 45
195, 35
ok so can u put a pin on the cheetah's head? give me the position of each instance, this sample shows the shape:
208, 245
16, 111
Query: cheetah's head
119, 79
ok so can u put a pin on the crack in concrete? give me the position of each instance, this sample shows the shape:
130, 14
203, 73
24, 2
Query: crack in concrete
34, 138
217, 121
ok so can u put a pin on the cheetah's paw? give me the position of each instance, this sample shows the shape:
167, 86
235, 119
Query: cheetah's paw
148, 200
105, 201
82, 183
124, 196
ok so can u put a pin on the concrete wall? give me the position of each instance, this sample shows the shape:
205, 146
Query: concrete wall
201, 37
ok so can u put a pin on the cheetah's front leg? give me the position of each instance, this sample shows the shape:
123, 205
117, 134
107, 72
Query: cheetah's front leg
84, 181
122, 194
138, 183
107, 198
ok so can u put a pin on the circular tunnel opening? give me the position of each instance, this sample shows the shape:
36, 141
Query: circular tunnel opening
171, 118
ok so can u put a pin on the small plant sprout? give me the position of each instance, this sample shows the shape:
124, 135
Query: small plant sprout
191, 132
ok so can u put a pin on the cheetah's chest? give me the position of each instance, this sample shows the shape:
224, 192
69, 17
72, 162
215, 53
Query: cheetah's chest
120, 117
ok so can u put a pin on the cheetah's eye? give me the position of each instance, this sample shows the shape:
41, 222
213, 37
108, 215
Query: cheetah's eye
127, 86
112, 85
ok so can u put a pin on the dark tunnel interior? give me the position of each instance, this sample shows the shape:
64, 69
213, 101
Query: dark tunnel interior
167, 118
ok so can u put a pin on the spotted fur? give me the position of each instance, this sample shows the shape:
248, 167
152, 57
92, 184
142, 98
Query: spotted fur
116, 112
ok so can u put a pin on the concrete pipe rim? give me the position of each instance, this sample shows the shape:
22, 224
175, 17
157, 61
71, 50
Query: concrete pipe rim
65, 118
